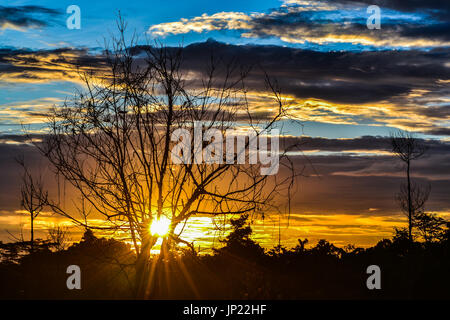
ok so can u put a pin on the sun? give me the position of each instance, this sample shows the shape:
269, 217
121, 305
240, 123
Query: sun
160, 227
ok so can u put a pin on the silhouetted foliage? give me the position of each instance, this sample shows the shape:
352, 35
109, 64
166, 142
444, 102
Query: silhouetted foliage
430, 227
238, 243
241, 269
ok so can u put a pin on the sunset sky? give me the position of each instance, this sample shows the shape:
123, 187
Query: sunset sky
350, 87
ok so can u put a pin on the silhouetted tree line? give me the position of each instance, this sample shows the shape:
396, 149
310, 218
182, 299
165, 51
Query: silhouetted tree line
240, 269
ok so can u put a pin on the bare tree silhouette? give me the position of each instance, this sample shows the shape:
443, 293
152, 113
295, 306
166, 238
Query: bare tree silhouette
113, 144
411, 197
33, 196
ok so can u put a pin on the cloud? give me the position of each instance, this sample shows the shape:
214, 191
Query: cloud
21, 65
410, 92
403, 89
28, 112
217, 21
334, 76
367, 143
331, 76
439, 8
337, 184
25, 17
325, 22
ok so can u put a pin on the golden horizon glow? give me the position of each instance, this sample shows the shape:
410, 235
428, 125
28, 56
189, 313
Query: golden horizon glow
160, 227
363, 230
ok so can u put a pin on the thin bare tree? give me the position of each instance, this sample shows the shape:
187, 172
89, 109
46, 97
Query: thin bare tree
411, 197
113, 144
33, 196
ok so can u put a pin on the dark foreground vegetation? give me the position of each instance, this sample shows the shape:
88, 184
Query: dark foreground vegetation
241, 269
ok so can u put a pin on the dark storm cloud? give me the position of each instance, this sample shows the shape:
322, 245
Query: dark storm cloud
439, 31
351, 184
433, 166
10, 173
441, 112
336, 183
326, 26
350, 78
346, 77
78, 57
439, 8
56, 64
369, 143
27, 16
19, 139
440, 131
295, 26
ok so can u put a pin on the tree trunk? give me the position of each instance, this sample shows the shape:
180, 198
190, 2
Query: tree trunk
161, 269
142, 267
149, 281
410, 213
32, 233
